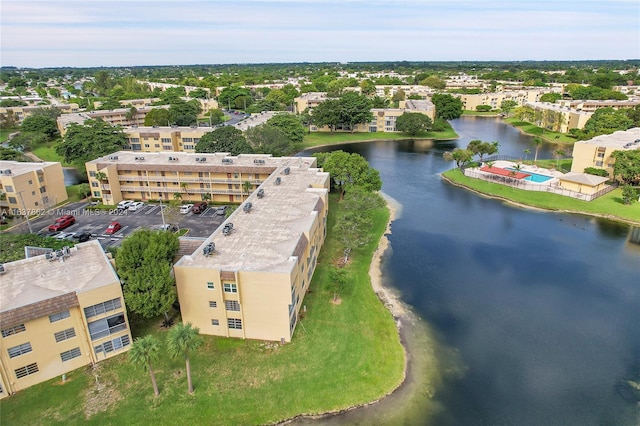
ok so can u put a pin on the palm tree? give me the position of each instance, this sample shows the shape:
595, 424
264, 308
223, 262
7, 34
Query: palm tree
246, 186
559, 153
101, 176
206, 197
490, 164
182, 340
526, 153
143, 351
537, 142
177, 196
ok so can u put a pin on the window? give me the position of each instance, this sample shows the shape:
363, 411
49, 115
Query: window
22, 349
601, 154
167, 147
95, 184
111, 345
213, 304
187, 139
70, 354
215, 322
101, 308
134, 140
59, 316
12, 200
30, 182
599, 163
234, 323
188, 147
92, 174
26, 370
230, 288
157, 145
107, 326
9, 188
96, 193
64, 334
13, 330
146, 145
210, 285
232, 305
165, 140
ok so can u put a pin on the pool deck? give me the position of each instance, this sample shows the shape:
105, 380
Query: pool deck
502, 164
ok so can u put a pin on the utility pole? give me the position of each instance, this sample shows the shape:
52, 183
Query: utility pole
162, 213
26, 213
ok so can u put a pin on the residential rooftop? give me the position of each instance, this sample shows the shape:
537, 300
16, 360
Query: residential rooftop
36, 279
17, 168
617, 140
270, 236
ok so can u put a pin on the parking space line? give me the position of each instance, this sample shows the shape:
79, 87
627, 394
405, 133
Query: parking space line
151, 210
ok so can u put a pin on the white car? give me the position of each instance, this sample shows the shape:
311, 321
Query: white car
186, 208
135, 206
65, 236
124, 204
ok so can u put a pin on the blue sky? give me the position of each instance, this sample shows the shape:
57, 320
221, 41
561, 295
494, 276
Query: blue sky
145, 32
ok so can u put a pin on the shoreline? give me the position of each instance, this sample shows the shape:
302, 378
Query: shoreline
541, 209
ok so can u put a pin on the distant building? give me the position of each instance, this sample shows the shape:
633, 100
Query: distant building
597, 152
21, 112
29, 188
59, 311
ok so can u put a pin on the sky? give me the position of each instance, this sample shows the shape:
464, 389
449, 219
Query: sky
92, 33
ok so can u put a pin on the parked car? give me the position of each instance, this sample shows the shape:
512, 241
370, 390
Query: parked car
168, 227
62, 223
124, 204
220, 211
64, 235
199, 207
135, 206
113, 228
186, 208
81, 237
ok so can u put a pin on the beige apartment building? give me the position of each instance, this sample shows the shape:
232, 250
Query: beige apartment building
19, 113
597, 152
471, 101
153, 176
59, 311
559, 117
115, 117
29, 188
250, 282
164, 138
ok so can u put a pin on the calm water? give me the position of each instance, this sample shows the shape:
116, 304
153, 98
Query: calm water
543, 308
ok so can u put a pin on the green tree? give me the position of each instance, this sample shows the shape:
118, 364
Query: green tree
400, 95
184, 113
606, 121
482, 148
367, 87
354, 109
413, 123
26, 141
550, 97
507, 106
182, 340
290, 125
559, 153
143, 352
337, 281
629, 194
93, 139
460, 156
40, 123
327, 113
526, 153
230, 95
447, 106
379, 102
84, 190
626, 167
434, 82
537, 143
157, 117
224, 139
267, 139
144, 264
350, 170
246, 187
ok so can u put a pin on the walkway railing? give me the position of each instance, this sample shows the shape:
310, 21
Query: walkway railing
554, 188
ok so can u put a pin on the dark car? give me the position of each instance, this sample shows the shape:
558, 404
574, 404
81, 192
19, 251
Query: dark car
62, 223
81, 237
199, 207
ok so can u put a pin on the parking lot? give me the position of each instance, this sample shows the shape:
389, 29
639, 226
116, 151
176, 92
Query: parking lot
148, 216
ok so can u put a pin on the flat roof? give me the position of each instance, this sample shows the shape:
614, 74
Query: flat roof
17, 168
36, 279
617, 139
266, 238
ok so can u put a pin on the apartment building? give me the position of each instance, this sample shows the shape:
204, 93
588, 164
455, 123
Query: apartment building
471, 101
249, 278
116, 117
19, 113
28, 188
559, 117
593, 105
164, 138
308, 101
153, 176
597, 152
59, 311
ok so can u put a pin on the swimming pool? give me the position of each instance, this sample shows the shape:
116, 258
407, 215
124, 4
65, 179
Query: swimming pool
533, 177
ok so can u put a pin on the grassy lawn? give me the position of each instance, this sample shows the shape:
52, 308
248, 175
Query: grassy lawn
73, 192
4, 134
609, 205
547, 135
341, 355
47, 152
480, 113
326, 138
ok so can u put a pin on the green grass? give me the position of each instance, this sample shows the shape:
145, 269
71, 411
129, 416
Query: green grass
547, 135
326, 138
481, 113
73, 192
4, 134
341, 355
47, 152
609, 205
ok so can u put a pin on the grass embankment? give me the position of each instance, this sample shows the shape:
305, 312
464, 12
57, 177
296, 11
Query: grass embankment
547, 135
341, 355
47, 152
609, 205
4, 134
325, 138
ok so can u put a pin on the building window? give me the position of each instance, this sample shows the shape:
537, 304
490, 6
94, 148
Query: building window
213, 304
59, 316
187, 139
599, 163
13, 330
107, 326
30, 182
146, 145
134, 140
70, 354
22, 349
65, 334
215, 322
167, 147
230, 288
26, 370
101, 308
165, 140
96, 194
210, 285
12, 200
111, 345
95, 184
601, 154
188, 147
232, 305
9, 188
92, 174
234, 323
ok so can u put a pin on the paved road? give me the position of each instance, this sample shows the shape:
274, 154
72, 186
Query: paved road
150, 216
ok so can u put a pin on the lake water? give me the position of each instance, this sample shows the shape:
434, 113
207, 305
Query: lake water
542, 309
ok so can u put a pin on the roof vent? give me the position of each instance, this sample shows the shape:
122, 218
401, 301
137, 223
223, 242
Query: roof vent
173, 158
2, 270
227, 228
5, 172
227, 161
139, 158
113, 157
247, 207
258, 161
287, 170
278, 180
209, 249
260, 193
201, 159
50, 255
